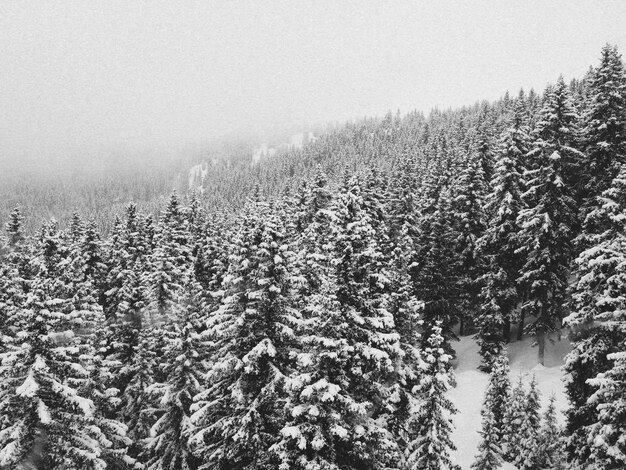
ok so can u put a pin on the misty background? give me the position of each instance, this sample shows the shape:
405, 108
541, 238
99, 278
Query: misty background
93, 93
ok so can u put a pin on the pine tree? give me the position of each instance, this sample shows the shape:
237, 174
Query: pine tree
362, 293
14, 228
432, 270
320, 412
431, 448
489, 456
468, 208
498, 395
513, 419
500, 244
106, 399
169, 264
238, 416
139, 407
608, 448
598, 263
604, 125
13, 278
587, 359
549, 451
599, 297
547, 223
76, 228
526, 456
168, 445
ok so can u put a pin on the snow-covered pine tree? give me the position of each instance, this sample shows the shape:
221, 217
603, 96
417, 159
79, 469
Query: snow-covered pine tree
549, 452
167, 447
493, 412
587, 359
598, 299
513, 417
239, 416
547, 223
13, 278
604, 432
405, 308
500, 244
93, 258
76, 229
317, 409
432, 270
608, 434
469, 218
211, 260
430, 450
106, 400
139, 407
604, 126
313, 258
489, 453
320, 413
169, 264
484, 142
604, 233
366, 332
498, 394
403, 229
526, 456
196, 216
14, 228
124, 254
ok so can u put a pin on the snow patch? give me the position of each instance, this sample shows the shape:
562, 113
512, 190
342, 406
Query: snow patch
197, 175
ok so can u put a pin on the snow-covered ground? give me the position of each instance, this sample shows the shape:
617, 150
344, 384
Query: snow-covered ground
471, 384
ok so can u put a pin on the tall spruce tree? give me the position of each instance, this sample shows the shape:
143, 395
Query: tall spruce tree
489, 453
362, 293
604, 126
596, 318
526, 456
547, 224
498, 394
434, 278
514, 415
469, 216
499, 246
168, 445
238, 417
608, 450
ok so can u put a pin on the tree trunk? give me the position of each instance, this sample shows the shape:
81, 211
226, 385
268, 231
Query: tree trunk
541, 342
520, 330
461, 327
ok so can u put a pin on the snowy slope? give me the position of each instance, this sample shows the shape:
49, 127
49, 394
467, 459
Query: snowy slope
471, 384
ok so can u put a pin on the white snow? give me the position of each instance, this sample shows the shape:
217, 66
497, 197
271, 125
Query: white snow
471, 383
197, 174
43, 412
29, 387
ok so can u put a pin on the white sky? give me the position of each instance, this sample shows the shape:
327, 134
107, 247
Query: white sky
88, 75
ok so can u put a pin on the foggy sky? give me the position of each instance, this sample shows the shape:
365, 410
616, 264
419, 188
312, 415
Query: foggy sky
94, 75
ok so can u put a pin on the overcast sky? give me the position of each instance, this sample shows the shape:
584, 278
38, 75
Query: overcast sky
89, 75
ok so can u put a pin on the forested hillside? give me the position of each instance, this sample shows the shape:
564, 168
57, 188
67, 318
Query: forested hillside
302, 312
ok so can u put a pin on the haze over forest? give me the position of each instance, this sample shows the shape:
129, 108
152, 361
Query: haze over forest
87, 84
